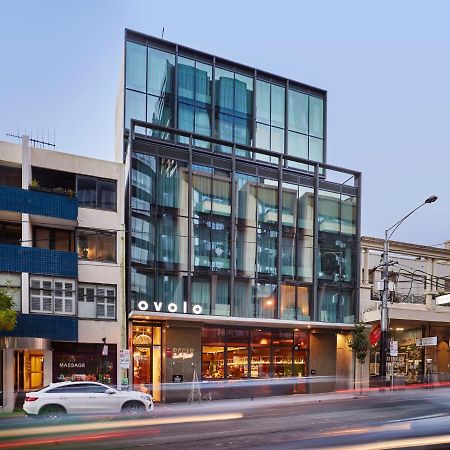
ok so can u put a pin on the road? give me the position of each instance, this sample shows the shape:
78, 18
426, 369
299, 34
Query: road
294, 422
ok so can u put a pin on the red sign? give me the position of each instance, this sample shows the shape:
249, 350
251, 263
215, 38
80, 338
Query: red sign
375, 334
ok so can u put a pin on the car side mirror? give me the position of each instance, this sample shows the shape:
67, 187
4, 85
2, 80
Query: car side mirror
110, 391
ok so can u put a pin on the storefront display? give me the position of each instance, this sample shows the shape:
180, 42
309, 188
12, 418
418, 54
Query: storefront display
84, 362
235, 353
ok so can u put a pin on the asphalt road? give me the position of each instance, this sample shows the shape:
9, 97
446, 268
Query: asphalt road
375, 420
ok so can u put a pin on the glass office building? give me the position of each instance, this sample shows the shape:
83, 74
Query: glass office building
243, 243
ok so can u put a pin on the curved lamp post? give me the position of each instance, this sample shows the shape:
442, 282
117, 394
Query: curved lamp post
384, 304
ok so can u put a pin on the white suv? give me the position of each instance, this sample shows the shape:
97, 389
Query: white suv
84, 397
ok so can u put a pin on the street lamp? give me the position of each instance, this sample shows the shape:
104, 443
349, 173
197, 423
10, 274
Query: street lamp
384, 303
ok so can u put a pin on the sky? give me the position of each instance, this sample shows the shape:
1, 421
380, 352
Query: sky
385, 66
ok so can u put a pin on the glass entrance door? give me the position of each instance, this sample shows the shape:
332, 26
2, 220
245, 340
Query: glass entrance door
146, 348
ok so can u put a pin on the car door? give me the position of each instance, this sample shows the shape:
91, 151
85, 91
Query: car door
102, 399
71, 396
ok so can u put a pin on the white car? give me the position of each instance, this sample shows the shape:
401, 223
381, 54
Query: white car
53, 402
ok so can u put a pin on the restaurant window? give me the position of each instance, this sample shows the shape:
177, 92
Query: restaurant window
96, 193
52, 295
260, 353
96, 245
53, 239
97, 301
213, 351
237, 353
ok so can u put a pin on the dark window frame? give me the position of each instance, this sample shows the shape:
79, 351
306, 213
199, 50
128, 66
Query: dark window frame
97, 202
96, 233
52, 239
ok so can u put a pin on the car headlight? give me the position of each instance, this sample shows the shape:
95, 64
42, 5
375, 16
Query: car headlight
146, 397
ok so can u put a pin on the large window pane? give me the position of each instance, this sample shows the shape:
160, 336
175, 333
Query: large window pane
142, 239
244, 298
87, 244
159, 112
277, 106
172, 185
169, 289
277, 139
263, 102
243, 95
224, 80
201, 294
316, 117
266, 300
142, 287
186, 79
203, 81
87, 192
315, 149
298, 146
143, 181
106, 246
161, 71
185, 119
136, 66
134, 108
222, 300
298, 112
106, 194
262, 137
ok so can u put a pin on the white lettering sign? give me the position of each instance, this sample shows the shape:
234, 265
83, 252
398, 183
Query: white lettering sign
426, 341
393, 348
72, 365
182, 353
171, 307
124, 358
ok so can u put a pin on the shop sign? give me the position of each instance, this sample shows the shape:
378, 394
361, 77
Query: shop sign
426, 341
171, 307
177, 378
124, 358
182, 353
72, 365
393, 348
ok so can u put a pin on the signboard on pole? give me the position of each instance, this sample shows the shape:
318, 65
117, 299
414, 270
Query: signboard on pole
393, 348
124, 358
426, 341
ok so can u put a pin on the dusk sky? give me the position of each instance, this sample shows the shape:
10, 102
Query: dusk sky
385, 65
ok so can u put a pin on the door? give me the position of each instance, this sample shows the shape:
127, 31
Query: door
99, 401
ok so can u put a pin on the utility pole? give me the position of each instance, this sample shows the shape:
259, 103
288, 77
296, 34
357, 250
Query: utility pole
384, 340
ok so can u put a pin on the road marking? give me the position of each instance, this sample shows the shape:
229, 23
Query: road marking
431, 416
119, 424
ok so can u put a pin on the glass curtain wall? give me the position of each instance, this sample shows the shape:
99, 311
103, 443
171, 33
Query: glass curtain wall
286, 120
273, 227
337, 224
159, 229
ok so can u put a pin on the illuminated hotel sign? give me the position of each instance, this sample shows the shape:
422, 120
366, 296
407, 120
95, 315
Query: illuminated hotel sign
171, 307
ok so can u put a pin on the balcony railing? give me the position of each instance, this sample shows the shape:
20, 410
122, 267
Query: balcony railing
40, 261
39, 203
400, 298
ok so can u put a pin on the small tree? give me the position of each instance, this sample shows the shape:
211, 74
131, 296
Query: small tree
359, 343
8, 316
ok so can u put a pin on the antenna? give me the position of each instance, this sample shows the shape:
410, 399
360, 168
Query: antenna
36, 142
162, 34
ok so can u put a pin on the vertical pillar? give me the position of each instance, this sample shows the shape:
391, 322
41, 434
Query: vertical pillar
26, 226
365, 266
48, 365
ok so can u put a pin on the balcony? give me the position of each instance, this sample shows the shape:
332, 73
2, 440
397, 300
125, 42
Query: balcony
40, 261
38, 203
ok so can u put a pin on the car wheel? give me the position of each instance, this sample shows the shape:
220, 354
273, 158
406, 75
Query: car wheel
52, 413
133, 409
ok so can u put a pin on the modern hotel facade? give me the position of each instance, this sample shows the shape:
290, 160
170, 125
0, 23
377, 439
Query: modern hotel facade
61, 258
243, 243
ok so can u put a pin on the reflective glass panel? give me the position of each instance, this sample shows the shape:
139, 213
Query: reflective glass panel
266, 300
201, 294
134, 108
136, 66
315, 149
244, 298
186, 79
243, 95
298, 146
224, 80
203, 82
169, 289
316, 117
263, 102
277, 139
161, 72
277, 106
298, 111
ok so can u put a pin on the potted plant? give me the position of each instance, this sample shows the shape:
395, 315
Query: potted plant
34, 184
70, 193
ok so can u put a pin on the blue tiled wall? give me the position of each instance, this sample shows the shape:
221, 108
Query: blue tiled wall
14, 258
39, 203
58, 328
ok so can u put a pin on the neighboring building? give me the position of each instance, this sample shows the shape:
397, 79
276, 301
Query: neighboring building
417, 276
243, 244
62, 250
